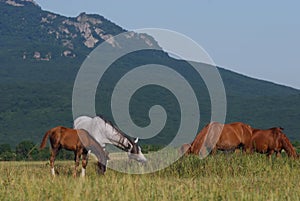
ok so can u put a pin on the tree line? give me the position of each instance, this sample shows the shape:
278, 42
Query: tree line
29, 151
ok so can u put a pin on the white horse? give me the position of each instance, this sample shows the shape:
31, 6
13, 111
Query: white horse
104, 132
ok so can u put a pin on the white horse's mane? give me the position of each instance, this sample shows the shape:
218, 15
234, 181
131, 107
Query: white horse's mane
104, 131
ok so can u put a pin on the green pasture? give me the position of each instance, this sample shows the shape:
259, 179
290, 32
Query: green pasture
219, 177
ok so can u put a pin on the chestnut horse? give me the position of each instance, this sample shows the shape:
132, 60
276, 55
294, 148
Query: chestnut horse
78, 141
225, 137
271, 141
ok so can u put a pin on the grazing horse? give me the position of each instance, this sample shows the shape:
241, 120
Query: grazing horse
225, 137
77, 141
104, 132
271, 141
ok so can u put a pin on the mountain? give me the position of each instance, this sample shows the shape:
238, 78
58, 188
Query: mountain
41, 53
45, 36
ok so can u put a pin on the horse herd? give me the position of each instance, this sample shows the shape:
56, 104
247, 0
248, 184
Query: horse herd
92, 134
235, 136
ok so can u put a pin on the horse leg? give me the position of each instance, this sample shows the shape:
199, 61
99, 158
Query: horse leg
214, 151
54, 153
278, 154
84, 162
269, 154
76, 159
237, 150
249, 150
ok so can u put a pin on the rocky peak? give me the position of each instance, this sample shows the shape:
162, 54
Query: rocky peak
57, 35
19, 3
88, 27
84, 18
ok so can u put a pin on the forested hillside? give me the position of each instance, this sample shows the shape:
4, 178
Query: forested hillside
41, 53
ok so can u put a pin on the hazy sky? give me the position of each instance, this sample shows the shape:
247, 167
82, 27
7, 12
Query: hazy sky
257, 38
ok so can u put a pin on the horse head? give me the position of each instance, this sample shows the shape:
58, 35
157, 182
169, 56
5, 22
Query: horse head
135, 152
287, 146
102, 162
185, 150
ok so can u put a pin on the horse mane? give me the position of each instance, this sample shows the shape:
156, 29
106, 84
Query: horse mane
118, 130
111, 124
254, 130
277, 129
114, 127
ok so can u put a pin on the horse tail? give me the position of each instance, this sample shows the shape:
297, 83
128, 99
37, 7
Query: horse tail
44, 141
288, 147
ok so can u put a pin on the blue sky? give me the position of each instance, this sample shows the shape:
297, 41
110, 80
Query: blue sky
260, 39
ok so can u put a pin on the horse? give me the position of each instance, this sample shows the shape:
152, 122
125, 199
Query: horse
271, 141
104, 132
78, 141
225, 137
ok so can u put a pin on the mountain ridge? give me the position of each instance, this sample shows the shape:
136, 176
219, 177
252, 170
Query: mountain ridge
49, 35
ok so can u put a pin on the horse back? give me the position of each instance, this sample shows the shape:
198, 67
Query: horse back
234, 135
66, 138
224, 136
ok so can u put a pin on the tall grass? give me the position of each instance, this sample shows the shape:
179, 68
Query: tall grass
219, 177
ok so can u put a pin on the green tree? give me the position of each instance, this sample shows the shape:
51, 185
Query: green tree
6, 153
7, 156
43, 154
5, 148
25, 150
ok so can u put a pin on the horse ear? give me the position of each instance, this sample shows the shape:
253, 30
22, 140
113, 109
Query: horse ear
136, 140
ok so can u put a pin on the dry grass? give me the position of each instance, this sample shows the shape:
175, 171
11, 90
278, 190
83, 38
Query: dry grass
221, 177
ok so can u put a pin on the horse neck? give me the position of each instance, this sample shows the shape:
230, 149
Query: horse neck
287, 146
205, 138
198, 141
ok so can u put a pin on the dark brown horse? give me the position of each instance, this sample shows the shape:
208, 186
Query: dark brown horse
78, 141
226, 137
271, 141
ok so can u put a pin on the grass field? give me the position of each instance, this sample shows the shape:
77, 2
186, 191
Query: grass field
219, 177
